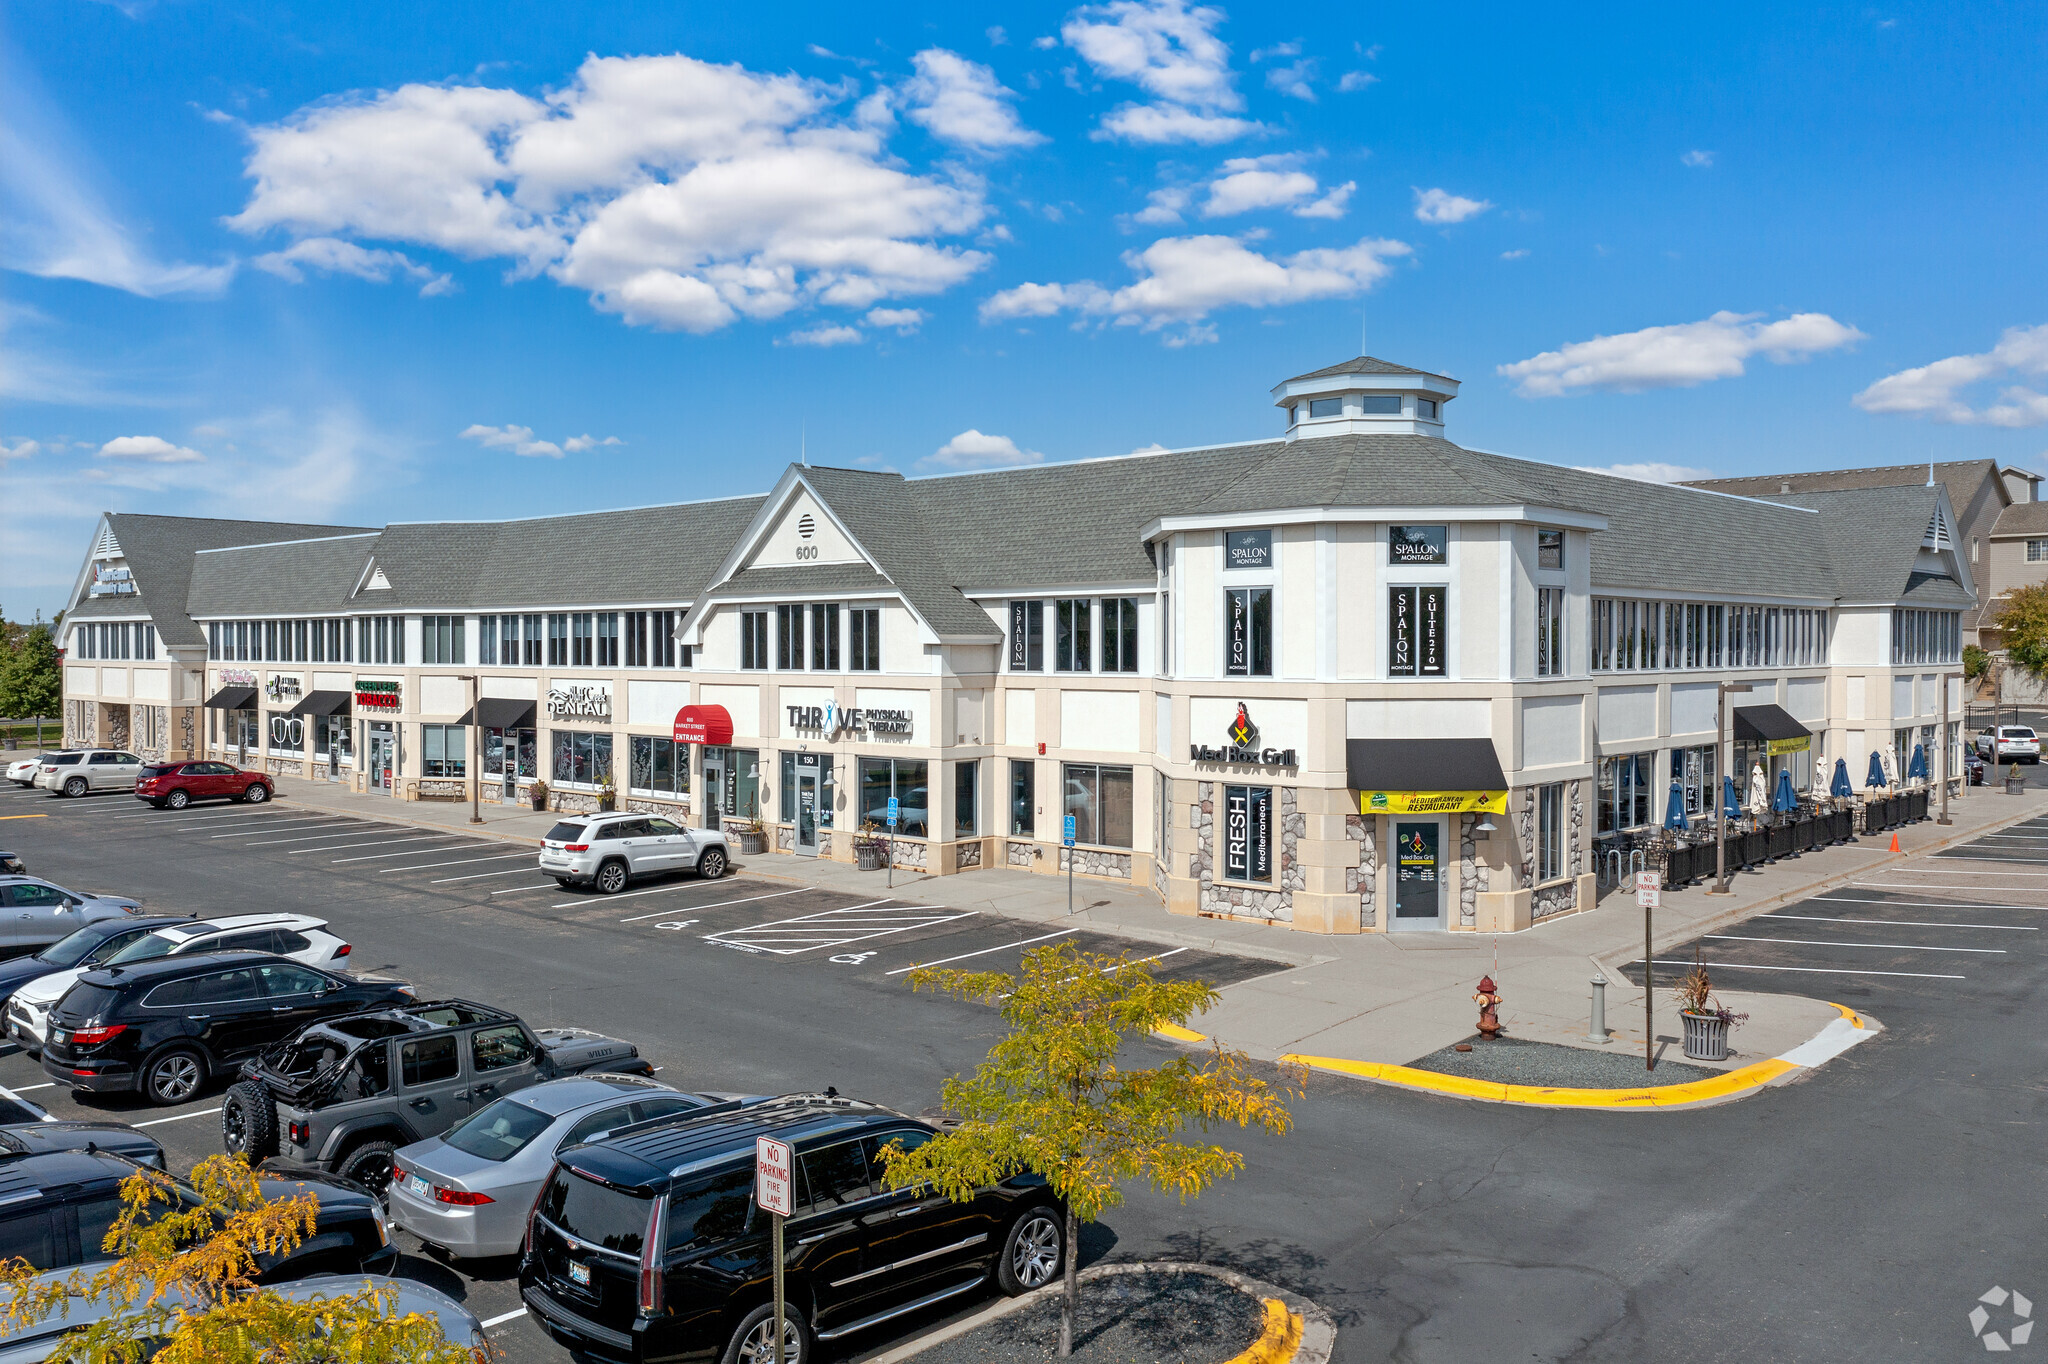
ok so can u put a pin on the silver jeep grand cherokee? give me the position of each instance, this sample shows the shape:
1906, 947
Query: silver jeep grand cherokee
608, 851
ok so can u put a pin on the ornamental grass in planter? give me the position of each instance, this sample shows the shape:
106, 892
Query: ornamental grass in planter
538, 794
1706, 1022
870, 848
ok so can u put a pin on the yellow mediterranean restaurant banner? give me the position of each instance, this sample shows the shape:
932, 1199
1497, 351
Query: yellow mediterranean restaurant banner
1432, 802
1779, 747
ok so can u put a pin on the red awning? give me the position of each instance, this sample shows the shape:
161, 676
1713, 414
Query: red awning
703, 725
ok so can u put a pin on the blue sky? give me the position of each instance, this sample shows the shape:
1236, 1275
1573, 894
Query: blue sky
364, 264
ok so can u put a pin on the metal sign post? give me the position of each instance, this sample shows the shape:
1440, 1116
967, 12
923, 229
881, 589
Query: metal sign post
1648, 896
895, 813
772, 1174
1067, 842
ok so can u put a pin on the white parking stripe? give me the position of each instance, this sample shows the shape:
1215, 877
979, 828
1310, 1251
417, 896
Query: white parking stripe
942, 961
480, 875
23, 1089
1959, 857
379, 857
514, 1314
315, 834
636, 894
177, 1117
463, 862
521, 890
303, 825
1912, 904
833, 928
1807, 970
719, 904
367, 843
1875, 946
1903, 923
1954, 871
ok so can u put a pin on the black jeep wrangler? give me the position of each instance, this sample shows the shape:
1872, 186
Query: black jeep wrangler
345, 1093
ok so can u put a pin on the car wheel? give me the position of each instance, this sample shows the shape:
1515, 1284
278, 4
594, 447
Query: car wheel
1033, 1253
754, 1341
256, 794
75, 786
370, 1166
177, 800
711, 865
248, 1122
173, 1076
611, 878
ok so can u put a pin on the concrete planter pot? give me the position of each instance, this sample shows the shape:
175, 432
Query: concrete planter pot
1706, 1036
749, 842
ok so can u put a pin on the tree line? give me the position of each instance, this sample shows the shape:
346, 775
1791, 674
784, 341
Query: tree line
31, 680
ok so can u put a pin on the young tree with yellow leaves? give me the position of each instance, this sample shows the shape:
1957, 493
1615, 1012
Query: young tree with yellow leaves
184, 1286
1052, 1099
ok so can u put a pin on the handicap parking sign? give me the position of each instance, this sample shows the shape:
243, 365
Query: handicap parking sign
893, 812
1067, 838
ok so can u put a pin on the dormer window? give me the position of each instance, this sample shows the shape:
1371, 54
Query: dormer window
1426, 407
1380, 404
1326, 407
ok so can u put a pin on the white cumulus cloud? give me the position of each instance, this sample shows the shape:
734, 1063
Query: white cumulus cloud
150, 450
518, 439
973, 450
677, 193
1294, 81
1169, 50
826, 334
1441, 206
962, 102
1184, 279
1932, 390
1697, 159
1651, 471
576, 445
1677, 356
904, 320
20, 449
331, 255
1249, 183
1352, 81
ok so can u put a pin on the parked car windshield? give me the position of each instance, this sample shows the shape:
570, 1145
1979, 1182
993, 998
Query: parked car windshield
148, 946
591, 1212
75, 948
568, 831
500, 1131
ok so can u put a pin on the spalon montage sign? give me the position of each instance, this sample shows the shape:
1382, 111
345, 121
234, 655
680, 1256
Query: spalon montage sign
1243, 746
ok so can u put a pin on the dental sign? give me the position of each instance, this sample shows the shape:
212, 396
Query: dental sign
832, 722
583, 701
1243, 746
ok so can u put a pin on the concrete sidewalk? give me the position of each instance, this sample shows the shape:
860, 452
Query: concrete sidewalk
1382, 997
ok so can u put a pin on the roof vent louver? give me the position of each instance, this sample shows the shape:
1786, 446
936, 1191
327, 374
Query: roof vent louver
806, 526
106, 547
1937, 532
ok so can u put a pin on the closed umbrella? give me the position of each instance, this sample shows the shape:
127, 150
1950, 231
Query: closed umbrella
1876, 777
1674, 808
1759, 791
1918, 767
1730, 807
1784, 800
1885, 756
1820, 776
1840, 785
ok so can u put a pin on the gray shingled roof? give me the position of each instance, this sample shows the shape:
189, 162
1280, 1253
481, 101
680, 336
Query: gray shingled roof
1935, 589
783, 579
2022, 518
162, 551
1364, 364
1962, 478
299, 577
1873, 539
894, 529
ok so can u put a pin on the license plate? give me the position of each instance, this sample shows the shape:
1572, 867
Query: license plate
579, 1274
415, 1185
56, 1036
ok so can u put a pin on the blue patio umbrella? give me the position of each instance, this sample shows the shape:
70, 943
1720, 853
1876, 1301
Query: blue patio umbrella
1783, 800
1876, 777
1730, 806
1674, 809
1840, 785
1918, 767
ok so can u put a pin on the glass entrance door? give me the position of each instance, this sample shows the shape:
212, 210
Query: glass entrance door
806, 812
1418, 874
383, 757
714, 785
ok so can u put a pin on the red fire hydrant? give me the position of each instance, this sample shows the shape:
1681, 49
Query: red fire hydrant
1489, 1009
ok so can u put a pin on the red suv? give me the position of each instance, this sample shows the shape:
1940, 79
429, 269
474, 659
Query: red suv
177, 785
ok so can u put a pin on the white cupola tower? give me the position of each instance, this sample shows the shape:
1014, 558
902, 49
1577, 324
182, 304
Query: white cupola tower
1364, 397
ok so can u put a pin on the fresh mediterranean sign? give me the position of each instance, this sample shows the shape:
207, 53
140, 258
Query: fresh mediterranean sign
1415, 632
1432, 802
1243, 746
377, 696
581, 701
1779, 747
1248, 833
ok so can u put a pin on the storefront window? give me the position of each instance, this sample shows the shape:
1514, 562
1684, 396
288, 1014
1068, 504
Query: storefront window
332, 737
1023, 803
287, 734
582, 758
1099, 799
1625, 791
827, 789
1550, 832
881, 778
966, 799
444, 750
515, 745
1694, 769
661, 767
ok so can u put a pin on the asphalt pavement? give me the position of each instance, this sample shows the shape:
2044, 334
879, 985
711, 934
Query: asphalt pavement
1858, 1213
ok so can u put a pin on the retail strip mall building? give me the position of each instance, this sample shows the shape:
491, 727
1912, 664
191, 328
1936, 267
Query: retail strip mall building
1350, 679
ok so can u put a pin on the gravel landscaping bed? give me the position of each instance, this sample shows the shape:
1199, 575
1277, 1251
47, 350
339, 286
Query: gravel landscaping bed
1515, 1062
1153, 1317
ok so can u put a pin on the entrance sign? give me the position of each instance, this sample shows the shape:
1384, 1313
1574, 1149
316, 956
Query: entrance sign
772, 1175
1432, 802
703, 725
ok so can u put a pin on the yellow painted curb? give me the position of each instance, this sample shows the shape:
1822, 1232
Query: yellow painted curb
1180, 1034
1660, 1096
1278, 1341
1855, 1019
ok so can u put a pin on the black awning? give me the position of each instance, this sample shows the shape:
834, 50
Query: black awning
501, 712
321, 703
1423, 765
1761, 724
233, 698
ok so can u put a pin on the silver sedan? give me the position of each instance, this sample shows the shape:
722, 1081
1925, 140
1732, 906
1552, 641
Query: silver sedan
469, 1190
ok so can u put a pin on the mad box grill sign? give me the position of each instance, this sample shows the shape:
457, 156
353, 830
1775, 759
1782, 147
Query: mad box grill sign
1243, 746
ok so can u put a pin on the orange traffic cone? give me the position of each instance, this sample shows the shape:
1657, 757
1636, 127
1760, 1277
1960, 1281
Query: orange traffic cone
1895, 842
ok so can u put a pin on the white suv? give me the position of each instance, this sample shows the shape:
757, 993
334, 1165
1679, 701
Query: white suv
77, 771
2009, 744
300, 937
607, 851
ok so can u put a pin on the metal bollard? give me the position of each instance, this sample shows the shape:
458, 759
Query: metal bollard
1598, 1031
